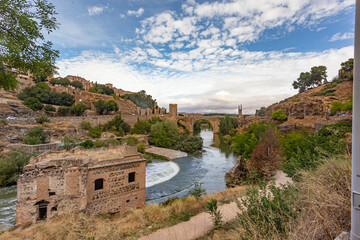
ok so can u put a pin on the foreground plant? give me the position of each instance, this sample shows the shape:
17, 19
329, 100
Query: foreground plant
216, 216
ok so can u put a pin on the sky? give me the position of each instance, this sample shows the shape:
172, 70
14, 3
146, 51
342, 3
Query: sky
206, 56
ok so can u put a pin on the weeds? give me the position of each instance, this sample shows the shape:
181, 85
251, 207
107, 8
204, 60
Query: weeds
215, 214
197, 190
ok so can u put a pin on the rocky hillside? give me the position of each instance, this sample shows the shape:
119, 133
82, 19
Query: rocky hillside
314, 102
10, 106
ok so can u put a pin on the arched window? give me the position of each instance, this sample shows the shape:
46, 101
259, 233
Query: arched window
99, 184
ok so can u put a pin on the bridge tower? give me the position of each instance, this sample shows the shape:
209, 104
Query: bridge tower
173, 110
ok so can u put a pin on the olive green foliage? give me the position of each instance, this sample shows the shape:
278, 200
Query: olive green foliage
3, 122
261, 112
11, 166
316, 77
85, 125
35, 136
347, 106
43, 85
103, 106
23, 46
62, 81
154, 120
131, 141
305, 152
141, 99
269, 211
64, 111
117, 125
42, 119
50, 108
227, 124
201, 124
165, 134
329, 85
77, 84
337, 106
79, 109
244, 143
95, 132
88, 144
33, 103
45, 96
102, 89
215, 214
70, 142
279, 115
348, 65
141, 148
141, 127
197, 190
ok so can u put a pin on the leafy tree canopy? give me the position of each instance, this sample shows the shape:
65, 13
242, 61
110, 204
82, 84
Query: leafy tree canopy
348, 65
23, 46
316, 77
141, 99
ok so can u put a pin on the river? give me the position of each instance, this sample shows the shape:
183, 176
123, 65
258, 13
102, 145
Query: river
164, 179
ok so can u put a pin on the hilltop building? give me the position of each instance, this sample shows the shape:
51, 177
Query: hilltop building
93, 181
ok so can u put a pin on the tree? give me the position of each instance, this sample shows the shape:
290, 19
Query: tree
33, 103
35, 136
141, 127
227, 124
279, 115
42, 119
100, 106
348, 65
23, 46
77, 84
79, 109
112, 106
316, 77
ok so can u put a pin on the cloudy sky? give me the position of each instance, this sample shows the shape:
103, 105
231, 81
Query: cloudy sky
206, 56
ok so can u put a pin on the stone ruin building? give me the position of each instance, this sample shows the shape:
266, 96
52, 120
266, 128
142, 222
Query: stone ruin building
94, 181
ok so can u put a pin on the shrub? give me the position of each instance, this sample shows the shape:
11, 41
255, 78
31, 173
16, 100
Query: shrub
43, 85
336, 106
141, 148
131, 141
197, 190
70, 142
95, 132
279, 115
215, 214
33, 103
62, 81
117, 125
267, 213
141, 127
42, 119
35, 136
77, 84
227, 124
11, 166
64, 111
87, 144
85, 125
154, 120
100, 106
112, 106
141, 99
3, 122
50, 108
79, 109
102, 89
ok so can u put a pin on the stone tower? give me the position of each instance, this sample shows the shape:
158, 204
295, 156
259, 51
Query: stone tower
240, 111
173, 110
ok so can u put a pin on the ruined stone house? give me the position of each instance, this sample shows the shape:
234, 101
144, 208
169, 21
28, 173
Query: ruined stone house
94, 181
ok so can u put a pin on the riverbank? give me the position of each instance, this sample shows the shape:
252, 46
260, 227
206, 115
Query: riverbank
169, 154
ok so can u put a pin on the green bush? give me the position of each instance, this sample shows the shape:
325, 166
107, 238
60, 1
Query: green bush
154, 120
336, 106
215, 214
64, 111
77, 84
227, 124
70, 142
197, 190
62, 81
95, 132
279, 115
141, 99
102, 89
43, 85
79, 109
263, 214
3, 122
42, 119
45, 96
50, 108
87, 144
11, 166
112, 106
131, 141
141, 127
85, 125
33, 103
35, 136
117, 125
141, 148
103, 106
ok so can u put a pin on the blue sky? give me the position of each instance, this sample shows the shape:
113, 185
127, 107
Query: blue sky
206, 56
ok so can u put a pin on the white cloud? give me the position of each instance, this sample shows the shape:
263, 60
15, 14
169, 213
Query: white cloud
96, 10
338, 36
137, 13
255, 79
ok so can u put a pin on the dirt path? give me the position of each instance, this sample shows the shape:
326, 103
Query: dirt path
200, 224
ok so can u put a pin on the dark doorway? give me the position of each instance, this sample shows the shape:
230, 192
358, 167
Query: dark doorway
42, 209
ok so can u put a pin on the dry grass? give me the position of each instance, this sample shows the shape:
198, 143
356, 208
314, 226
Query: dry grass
131, 225
324, 204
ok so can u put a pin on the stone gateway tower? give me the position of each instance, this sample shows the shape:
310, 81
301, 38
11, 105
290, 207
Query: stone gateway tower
94, 181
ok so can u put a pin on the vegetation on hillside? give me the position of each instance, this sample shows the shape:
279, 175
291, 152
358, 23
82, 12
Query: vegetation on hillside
23, 46
103, 107
66, 82
102, 89
141, 99
316, 77
228, 125
35, 136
